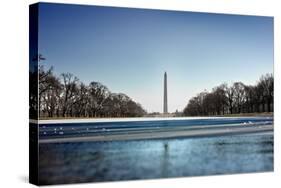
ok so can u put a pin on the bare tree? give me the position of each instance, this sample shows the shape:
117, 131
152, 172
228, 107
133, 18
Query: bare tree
50, 98
46, 82
249, 98
81, 101
69, 86
209, 104
220, 99
266, 84
230, 98
98, 94
69, 97
239, 96
45, 79
198, 105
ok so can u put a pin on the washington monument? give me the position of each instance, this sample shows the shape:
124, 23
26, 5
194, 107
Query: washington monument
165, 108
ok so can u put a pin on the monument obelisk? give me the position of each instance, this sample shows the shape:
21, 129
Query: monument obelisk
165, 109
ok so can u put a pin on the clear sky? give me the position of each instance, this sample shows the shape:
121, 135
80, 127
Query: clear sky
128, 50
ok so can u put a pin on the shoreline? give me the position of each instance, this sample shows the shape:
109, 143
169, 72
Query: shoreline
130, 119
165, 135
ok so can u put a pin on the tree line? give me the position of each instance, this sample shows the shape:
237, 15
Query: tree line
235, 99
66, 96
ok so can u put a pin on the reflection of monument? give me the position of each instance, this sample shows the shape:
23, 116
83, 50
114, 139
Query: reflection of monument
165, 109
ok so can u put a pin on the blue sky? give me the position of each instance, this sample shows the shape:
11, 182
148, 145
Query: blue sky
128, 50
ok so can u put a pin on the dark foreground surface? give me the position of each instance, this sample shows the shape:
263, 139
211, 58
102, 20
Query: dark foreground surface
79, 162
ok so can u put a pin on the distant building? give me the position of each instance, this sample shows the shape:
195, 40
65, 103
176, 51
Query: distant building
165, 107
